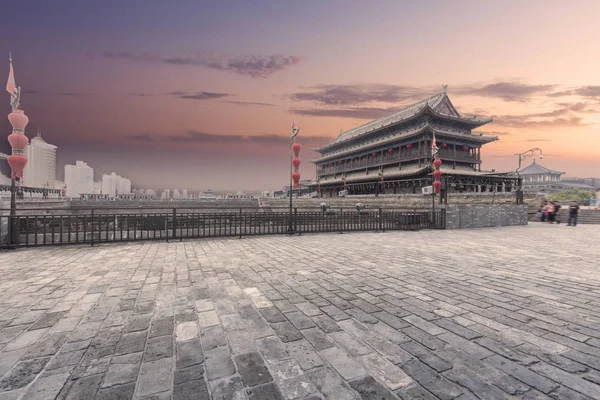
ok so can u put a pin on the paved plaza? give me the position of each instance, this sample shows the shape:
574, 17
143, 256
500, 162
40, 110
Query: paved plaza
465, 314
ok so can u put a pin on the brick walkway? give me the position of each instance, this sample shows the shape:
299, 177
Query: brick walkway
466, 314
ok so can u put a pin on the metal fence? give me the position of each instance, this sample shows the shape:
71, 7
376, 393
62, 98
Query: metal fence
43, 227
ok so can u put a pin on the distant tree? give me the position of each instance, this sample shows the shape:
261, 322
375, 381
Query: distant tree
580, 195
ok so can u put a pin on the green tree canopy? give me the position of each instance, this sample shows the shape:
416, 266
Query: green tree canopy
579, 195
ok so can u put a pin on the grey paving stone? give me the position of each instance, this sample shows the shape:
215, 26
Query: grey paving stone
523, 374
370, 389
188, 374
317, 338
213, 337
84, 388
65, 359
161, 327
46, 347
331, 385
48, 320
138, 323
266, 391
414, 391
299, 320
157, 348
189, 353
46, 387
228, 389
119, 374
344, 364
252, 368
22, 374
218, 363
122, 392
299, 387
272, 314
155, 377
272, 349
350, 343
191, 390
386, 372
286, 331
432, 381
326, 324
303, 352
131, 343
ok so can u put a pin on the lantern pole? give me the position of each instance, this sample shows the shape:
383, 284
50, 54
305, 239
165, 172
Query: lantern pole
18, 142
291, 191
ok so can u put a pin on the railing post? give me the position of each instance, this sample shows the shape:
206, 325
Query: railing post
379, 220
174, 223
241, 224
296, 220
92, 241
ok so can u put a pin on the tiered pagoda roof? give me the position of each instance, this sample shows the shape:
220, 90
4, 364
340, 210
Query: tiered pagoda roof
535, 168
439, 105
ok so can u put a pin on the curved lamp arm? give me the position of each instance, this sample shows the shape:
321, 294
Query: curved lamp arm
531, 153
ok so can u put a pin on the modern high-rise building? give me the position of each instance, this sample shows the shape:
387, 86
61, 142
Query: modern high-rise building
4, 180
40, 170
79, 179
113, 185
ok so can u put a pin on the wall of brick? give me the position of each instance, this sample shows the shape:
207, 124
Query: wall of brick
485, 215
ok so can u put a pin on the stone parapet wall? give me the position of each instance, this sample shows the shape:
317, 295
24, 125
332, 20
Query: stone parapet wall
485, 215
404, 201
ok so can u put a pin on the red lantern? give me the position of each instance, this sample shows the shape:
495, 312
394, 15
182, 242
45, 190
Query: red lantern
409, 146
390, 151
437, 185
374, 155
444, 145
465, 148
18, 141
296, 162
330, 164
17, 162
296, 148
339, 162
296, 177
437, 163
437, 174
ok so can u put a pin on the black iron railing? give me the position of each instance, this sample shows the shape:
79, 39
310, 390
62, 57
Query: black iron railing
34, 227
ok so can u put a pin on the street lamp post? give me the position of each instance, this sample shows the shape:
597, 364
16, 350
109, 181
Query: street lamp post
531, 153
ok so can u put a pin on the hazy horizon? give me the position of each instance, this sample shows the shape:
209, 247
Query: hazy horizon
201, 95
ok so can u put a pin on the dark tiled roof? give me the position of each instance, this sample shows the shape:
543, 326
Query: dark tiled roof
535, 168
440, 103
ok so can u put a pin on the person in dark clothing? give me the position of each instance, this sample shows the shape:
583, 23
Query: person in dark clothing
573, 214
556, 212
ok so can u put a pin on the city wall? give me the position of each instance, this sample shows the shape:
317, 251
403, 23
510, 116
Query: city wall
462, 212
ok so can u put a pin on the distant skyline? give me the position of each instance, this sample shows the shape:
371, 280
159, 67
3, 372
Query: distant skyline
200, 95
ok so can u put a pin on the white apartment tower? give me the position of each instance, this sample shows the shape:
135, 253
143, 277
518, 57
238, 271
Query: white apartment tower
79, 179
40, 170
113, 184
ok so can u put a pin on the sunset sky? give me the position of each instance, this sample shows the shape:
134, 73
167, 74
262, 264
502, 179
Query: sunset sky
199, 95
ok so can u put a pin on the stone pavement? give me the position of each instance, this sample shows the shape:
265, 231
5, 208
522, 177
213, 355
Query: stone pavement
491, 314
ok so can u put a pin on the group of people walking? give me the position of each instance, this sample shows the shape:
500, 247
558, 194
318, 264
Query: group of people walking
550, 213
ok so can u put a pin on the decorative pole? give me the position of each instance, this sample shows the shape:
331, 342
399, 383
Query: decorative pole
295, 163
522, 156
18, 141
437, 174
